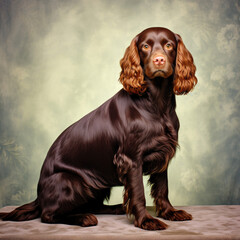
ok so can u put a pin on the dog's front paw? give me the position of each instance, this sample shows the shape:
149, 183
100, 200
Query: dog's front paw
175, 215
150, 223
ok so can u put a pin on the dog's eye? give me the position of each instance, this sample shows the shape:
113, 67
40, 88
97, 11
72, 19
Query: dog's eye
146, 47
168, 46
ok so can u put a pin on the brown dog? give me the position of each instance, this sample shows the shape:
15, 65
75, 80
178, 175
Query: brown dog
133, 133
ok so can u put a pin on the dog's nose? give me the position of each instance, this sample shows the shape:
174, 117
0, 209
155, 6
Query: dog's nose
159, 60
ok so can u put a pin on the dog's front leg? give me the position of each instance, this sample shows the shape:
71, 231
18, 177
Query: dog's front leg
159, 192
134, 199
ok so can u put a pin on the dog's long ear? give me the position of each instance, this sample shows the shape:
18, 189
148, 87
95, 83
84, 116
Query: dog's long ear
131, 76
184, 78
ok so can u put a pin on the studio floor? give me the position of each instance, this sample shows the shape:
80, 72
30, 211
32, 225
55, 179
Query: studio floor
209, 222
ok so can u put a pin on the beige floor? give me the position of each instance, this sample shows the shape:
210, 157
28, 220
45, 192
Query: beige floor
209, 222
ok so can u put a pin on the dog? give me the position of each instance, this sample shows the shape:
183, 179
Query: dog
133, 133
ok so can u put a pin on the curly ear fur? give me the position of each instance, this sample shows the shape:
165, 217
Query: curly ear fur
131, 76
184, 78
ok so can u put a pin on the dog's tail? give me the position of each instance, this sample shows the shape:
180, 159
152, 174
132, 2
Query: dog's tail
26, 212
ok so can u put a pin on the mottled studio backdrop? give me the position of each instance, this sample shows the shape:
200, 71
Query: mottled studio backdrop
59, 59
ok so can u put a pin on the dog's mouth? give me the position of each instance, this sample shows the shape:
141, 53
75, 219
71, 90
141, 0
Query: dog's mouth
162, 73
159, 73
152, 72
155, 74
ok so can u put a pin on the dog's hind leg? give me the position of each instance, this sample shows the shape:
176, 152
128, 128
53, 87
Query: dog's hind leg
63, 194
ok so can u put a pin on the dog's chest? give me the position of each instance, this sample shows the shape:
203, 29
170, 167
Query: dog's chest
159, 146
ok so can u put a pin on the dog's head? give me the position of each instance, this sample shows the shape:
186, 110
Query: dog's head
157, 53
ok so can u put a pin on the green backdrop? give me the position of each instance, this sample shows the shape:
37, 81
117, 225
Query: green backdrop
59, 59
